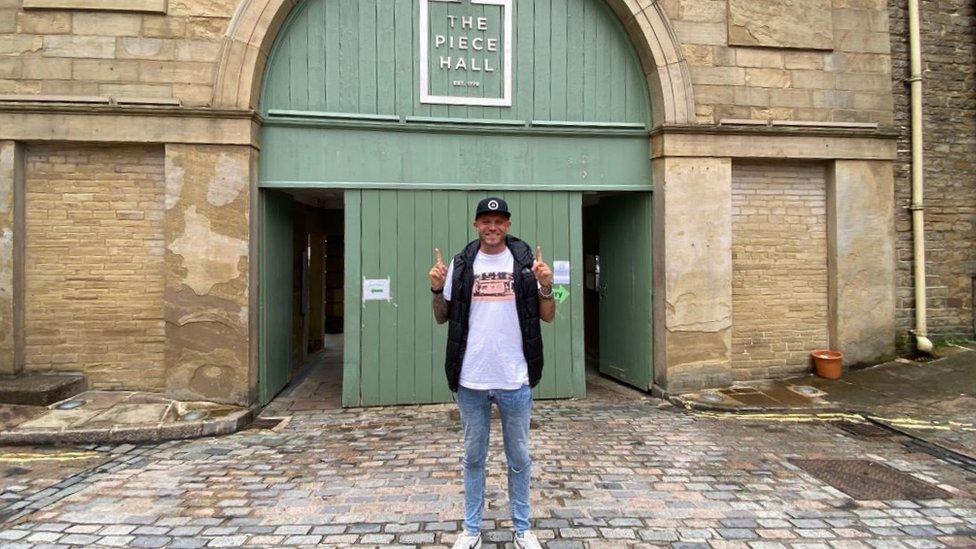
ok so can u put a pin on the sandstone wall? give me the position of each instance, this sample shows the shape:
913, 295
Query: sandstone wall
770, 59
145, 55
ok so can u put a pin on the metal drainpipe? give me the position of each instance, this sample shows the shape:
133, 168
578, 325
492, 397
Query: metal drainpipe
922, 342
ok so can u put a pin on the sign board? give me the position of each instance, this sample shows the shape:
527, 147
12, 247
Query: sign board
376, 289
466, 52
560, 272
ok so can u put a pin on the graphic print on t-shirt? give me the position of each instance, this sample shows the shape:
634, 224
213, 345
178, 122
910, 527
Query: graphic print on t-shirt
493, 287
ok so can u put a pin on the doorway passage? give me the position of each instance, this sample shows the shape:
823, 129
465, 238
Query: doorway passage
305, 371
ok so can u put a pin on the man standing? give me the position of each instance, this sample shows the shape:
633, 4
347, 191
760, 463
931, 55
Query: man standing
494, 293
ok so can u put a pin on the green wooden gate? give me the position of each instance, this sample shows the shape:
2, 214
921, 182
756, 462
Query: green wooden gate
274, 292
625, 288
348, 103
394, 348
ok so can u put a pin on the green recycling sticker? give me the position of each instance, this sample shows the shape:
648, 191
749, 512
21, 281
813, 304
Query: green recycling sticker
560, 293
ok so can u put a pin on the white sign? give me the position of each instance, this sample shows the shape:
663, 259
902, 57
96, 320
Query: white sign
376, 289
467, 50
560, 272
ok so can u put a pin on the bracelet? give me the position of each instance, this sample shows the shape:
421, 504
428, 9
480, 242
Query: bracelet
544, 295
435, 292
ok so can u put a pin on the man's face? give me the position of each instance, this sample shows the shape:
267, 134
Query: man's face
492, 228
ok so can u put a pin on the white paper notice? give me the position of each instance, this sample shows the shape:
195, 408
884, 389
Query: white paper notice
376, 289
560, 272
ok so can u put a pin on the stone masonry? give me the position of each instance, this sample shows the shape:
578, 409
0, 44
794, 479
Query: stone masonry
94, 263
948, 30
779, 271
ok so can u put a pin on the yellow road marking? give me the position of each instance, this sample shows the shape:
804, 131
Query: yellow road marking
32, 457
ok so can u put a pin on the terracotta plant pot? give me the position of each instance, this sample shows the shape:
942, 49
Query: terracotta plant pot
828, 363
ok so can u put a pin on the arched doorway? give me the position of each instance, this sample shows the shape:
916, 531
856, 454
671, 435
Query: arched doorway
411, 110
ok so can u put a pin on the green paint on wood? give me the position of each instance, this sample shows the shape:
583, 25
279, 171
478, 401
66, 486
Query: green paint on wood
274, 293
625, 289
486, 161
572, 61
402, 348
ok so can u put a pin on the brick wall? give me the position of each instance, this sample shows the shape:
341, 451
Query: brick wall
94, 263
949, 70
779, 267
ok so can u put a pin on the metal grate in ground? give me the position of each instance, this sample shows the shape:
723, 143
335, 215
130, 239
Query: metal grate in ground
869, 480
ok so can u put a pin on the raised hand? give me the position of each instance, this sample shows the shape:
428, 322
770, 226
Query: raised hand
438, 273
542, 271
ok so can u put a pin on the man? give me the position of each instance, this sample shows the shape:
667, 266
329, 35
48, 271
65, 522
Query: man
494, 293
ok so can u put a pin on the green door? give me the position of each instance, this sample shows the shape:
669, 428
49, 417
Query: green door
394, 350
625, 288
274, 292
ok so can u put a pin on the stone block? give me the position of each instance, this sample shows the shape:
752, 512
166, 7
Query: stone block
41, 68
722, 76
206, 28
106, 24
16, 44
768, 78
162, 26
110, 71
690, 32
758, 58
774, 23
146, 48
175, 72
98, 47
203, 8
198, 50
43, 22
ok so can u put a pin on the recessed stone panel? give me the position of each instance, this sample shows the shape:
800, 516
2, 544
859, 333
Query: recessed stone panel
804, 24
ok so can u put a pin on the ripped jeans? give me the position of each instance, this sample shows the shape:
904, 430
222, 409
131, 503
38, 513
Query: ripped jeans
515, 409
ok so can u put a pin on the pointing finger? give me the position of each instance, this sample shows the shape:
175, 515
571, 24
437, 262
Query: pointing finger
438, 257
538, 253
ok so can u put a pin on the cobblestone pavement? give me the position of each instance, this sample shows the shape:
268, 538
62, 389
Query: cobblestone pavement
609, 471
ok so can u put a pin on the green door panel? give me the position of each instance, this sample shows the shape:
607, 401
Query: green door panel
399, 355
274, 292
573, 61
625, 289
294, 156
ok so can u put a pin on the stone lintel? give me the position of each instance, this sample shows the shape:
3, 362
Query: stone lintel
26, 122
143, 6
801, 143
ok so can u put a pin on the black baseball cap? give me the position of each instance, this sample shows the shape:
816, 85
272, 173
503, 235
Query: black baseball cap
493, 205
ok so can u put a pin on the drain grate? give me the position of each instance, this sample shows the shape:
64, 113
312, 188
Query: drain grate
869, 480
865, 430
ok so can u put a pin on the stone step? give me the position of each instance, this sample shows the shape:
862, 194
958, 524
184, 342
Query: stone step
40, 389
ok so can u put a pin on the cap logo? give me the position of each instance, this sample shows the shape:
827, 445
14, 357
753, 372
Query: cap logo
493, 204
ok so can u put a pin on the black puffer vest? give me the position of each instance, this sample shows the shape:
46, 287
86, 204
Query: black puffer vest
526, 304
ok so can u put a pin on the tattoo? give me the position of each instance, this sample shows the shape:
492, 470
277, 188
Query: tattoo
440, 308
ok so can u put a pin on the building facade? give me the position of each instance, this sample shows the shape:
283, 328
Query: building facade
193, 191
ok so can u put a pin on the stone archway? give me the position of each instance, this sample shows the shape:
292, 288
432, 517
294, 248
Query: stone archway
256, 23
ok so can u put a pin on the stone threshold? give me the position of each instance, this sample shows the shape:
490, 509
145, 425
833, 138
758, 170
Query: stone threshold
100, 417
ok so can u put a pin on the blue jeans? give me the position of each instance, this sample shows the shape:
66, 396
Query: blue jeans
515, 409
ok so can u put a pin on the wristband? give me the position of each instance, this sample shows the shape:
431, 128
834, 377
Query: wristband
435, 292
545, 295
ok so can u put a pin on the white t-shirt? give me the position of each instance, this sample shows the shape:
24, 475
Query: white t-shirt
494, 358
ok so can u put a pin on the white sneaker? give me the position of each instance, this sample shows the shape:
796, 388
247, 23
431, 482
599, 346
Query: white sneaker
527, 540
467, 541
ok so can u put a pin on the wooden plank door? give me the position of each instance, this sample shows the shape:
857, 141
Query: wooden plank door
625, 289
274, 292
399, 355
